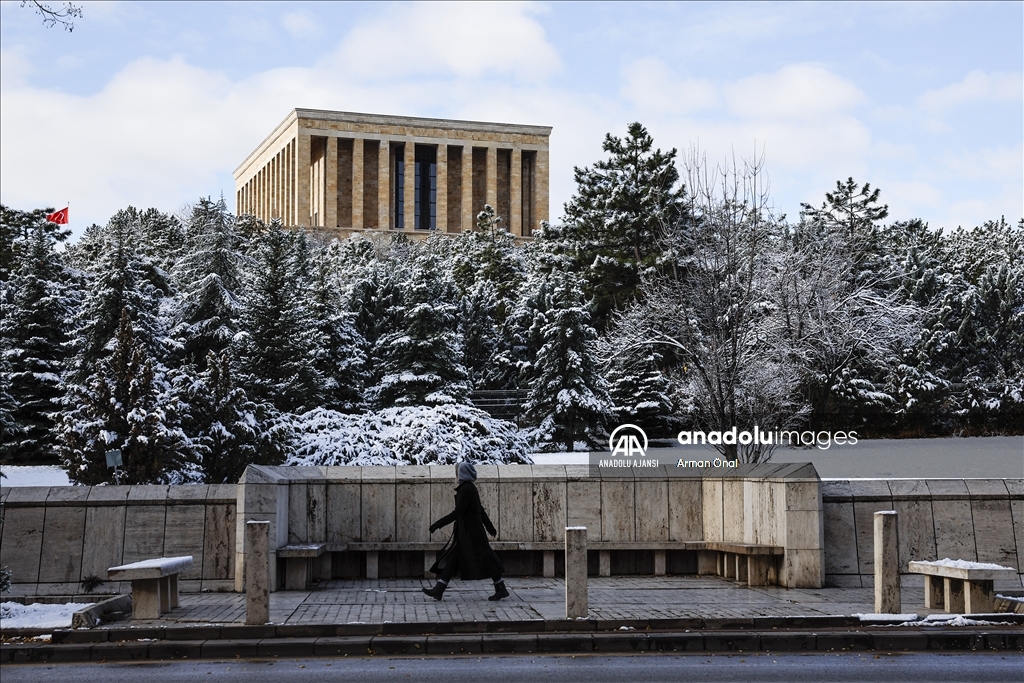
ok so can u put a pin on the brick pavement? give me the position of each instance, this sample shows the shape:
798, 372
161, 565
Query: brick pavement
532, 598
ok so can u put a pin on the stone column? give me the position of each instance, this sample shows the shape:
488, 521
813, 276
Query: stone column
468, 219
331, 195
384, 186
302, 166
515, 201
540, 191
492, 178
257, 572
604, 563
410, 185
442, 187
887, 564
357, 184
576, 572
372, 564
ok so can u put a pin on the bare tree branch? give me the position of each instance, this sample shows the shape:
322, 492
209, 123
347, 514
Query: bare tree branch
63, 15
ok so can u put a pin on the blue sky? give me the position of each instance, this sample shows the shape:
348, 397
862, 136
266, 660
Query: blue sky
155, 104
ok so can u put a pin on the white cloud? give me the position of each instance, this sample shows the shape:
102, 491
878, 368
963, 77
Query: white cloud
300, 24
649, 84
463, 39
977, 86
794, 92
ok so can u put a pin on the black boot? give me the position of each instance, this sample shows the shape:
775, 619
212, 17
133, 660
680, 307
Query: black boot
437, 592
499, 592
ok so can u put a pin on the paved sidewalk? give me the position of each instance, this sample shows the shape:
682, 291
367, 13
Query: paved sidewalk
613, 598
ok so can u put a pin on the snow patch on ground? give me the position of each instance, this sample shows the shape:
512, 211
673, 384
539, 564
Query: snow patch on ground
16, 615
34, 475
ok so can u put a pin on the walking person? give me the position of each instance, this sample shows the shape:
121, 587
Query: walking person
468, 552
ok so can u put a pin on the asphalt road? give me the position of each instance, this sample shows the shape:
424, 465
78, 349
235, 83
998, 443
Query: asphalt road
785, 668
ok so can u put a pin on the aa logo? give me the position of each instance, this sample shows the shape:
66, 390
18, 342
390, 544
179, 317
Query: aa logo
629, 441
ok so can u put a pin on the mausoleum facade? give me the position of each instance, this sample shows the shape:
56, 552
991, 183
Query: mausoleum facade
344, 172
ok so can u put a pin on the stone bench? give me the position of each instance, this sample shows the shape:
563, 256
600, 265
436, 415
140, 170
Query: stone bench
965, 587
752, 563
154, 584
299, 563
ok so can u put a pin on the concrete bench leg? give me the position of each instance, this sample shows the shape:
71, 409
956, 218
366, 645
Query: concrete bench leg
933, 592
741, 568
146, 598
759, 570
165, 594
295, 573
954, 595
172, 592
707, 562
429, 558
659, 563
372, 566
323, 567
549, 564
604, 562
979, 597
728, 566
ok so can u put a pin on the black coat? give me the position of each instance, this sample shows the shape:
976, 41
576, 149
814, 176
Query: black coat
468, 546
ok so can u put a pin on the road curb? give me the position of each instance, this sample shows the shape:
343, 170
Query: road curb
888, 639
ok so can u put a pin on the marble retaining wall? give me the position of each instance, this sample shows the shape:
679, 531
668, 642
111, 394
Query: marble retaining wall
980, 520
55, 538
775, 504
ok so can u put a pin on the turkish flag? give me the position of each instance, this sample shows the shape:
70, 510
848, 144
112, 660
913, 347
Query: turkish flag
58, 217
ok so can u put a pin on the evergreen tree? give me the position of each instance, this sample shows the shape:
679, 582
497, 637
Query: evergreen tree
121, 279
33, 326
568, 400
224, 426
126, 405
280, 345
16, 227
615, 222
208, 278
420, 360
342, 361
640, 392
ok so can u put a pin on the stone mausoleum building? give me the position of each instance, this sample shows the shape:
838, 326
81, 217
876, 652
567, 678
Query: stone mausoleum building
346, 172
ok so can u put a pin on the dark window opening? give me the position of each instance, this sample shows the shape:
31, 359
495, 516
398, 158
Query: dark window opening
426, 188
399, 186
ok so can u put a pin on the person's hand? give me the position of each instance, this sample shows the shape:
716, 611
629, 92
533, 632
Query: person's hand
492, 531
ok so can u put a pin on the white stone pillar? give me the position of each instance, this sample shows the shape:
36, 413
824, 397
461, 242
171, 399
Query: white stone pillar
492, 179
442, 187
257, 572
887, 564
515, 219
384, 185
410, 185
468, 217
331, 192
576, 605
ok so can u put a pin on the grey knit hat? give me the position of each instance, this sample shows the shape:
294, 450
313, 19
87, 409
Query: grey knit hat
466, 471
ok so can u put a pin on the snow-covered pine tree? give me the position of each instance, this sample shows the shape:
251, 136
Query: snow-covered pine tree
126, 405
120, 279
224, 426
33, 325
162, 237
639, 391
421, 360
568, 399
343, 358
614, 224
15, 228
278, 349
208, 279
